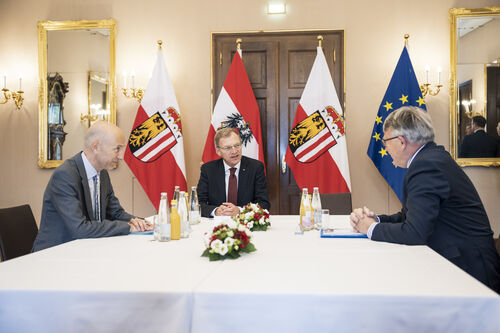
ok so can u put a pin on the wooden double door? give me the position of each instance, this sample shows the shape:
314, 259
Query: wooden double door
278, 65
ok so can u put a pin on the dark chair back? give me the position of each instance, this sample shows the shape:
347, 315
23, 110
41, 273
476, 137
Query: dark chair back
18, 231
337, 203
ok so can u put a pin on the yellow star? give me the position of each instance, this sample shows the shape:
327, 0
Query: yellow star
376, 136
387, 106
378, 120
383, 152
420, 101
404, 99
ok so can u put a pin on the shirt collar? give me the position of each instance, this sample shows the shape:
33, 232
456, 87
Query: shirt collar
89, 169
413, 156
227, 167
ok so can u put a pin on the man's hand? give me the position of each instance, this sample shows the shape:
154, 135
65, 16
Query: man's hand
139, 225
227, 209
361, 219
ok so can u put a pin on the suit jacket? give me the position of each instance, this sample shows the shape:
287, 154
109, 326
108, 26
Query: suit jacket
442, 209
479, 144
252, 185
67, 212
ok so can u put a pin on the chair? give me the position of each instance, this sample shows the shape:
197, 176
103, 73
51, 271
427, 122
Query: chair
18, 231
337, 203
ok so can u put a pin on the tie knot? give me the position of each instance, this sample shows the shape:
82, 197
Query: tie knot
233, 171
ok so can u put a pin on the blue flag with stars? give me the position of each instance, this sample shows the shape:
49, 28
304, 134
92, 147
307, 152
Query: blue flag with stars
403, 90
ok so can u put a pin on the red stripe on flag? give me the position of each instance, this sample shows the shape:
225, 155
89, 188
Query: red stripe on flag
209, 153
157, 144
315, 145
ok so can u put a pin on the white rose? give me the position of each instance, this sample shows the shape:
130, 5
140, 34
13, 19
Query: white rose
206, 238
248, 215
255, 207
231, 224
229, 241
216, 245
241, 227
223, 249
262, 220
230, 233
248, 232
250, 225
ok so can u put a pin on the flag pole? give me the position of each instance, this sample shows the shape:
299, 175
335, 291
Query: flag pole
406, 36
320, 41
159, 45
238, 43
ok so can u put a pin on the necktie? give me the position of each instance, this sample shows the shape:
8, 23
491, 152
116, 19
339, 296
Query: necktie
232, 189
97, 206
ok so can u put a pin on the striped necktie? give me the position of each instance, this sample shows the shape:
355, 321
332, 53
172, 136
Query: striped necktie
97, 206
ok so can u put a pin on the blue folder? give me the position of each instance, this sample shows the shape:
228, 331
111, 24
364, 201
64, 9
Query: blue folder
326, 234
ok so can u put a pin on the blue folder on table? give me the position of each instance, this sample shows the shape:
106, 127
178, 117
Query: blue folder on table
340, 233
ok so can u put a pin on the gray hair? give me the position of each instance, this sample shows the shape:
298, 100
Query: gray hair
224, 133
412, 123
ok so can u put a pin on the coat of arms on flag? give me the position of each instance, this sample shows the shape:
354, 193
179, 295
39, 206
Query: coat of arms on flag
314, 135
156, 135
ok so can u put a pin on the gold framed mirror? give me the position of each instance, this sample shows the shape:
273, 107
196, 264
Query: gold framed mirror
474, 86
76, 61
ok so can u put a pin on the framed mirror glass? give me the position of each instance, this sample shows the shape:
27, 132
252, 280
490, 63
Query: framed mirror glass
475, 86
77, 84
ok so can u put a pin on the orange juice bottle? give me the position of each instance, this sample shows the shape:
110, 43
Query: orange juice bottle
175, 221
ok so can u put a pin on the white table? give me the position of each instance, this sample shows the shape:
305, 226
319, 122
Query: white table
292, 283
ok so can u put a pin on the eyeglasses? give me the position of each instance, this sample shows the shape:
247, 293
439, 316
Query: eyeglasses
229, 148
384, 141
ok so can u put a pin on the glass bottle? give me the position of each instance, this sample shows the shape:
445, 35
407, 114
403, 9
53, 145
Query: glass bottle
163, 228
175, 221
176, 193
305, 211
194, 207
316, 206
183, 214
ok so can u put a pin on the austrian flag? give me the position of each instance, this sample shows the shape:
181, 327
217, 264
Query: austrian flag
317, 150
236, 107
155, 150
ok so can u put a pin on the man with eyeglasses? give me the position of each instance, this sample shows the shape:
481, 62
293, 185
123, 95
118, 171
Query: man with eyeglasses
231, 181
79, 201
441, 207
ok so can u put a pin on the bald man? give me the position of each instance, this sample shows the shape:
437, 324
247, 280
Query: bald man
79, 201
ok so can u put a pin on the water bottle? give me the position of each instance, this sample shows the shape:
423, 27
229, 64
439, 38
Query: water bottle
163, 228
305, 211
194, 207
176, 193
183, 215
316, 206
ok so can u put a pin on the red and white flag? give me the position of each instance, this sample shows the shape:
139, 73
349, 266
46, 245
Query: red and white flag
155, 150
317, 150
236, 107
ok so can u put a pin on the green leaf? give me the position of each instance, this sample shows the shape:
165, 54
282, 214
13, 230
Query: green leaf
249, 248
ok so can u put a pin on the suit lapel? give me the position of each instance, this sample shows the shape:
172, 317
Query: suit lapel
85, 185
221, 181
242, 179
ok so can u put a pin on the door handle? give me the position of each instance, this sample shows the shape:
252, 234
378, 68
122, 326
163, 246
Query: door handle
283, 165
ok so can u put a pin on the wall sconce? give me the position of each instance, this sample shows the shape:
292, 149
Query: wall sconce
137, 93
17, 97
276, 8
426, 87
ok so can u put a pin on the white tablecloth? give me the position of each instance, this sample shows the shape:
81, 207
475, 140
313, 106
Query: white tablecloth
292, 283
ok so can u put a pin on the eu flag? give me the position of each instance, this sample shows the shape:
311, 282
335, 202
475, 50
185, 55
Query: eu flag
403, 90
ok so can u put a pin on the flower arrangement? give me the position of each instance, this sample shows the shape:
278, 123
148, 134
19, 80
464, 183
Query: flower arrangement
227, 240
254, 217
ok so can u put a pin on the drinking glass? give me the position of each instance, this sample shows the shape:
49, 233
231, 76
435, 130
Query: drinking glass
325, 218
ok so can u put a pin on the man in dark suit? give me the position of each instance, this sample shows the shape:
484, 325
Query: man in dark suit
79, 201
479, 144
231, 181
441, 207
